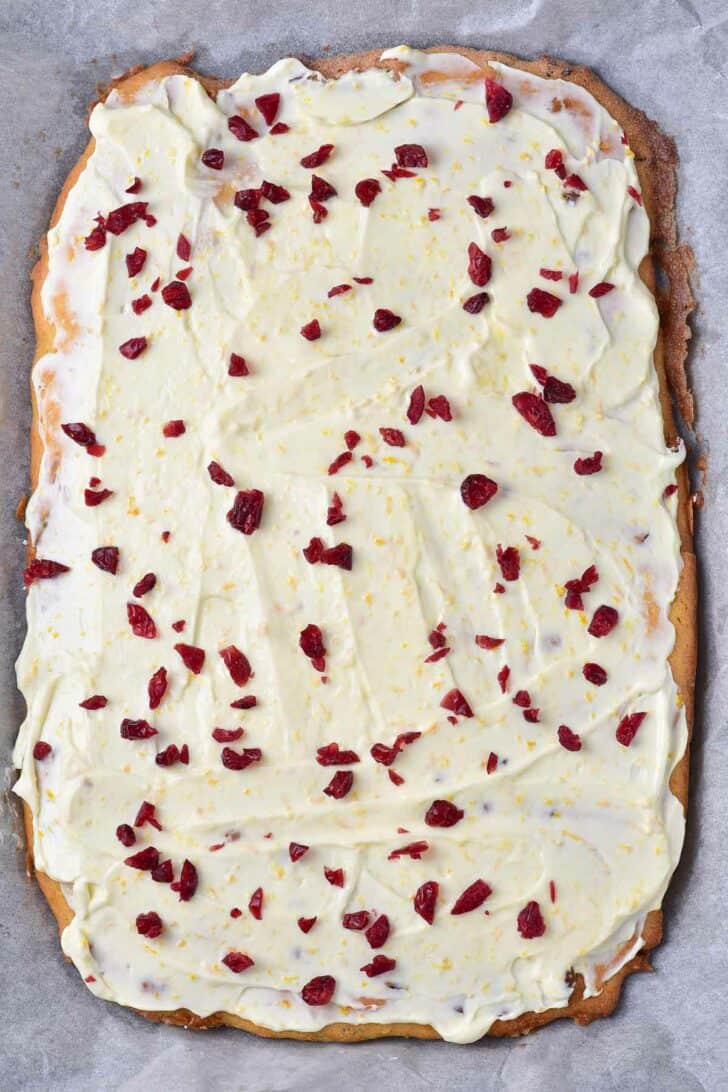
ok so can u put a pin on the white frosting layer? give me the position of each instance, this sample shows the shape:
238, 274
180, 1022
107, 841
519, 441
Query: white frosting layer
600, 824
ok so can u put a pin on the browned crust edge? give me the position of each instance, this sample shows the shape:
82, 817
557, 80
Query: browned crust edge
656, 162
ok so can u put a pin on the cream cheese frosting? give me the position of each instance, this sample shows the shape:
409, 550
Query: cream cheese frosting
562, 851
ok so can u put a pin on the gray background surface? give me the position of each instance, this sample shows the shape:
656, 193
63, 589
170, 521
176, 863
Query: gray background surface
669, 57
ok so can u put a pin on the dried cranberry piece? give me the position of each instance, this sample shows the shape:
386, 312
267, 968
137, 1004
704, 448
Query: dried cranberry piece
219, 475
247, 510
627, 728
483, 641
276, 130
341, 555
144, 585
472, 897
335, 512
554, 390
603, 621
312, 643
530, 921
312, 330
509, 561
237, 365
498, 100
94, 497
479, 265
321, 190
475, 304
416, 405
136, 729
553, 159
441, 813
383, 754
384, 320
319, 990
179, 625
240, 760
125, 834
341, 460
176, 294
227, 735
393, 436
503, 676
255, 904
378, 932
531, 715
296, 850
600, 289
425, 900
483, 206
149, 925
237, 664
175, 428
379, 965
315, 159
569, 740
269, 105
171, 755
351, 439
240, 128
274, 193
247, 200
338, 290
214, 158
147, 814
534, 410
411, 155
184, 248
340, 785
306, 924
135, 261
140, 305
594, 673
439, 406
357, 920
192, 657
97, 701
141, 622
477, 489
543, 303
237, 962
320, 212
314, 552
187, 881
106, 558
248, 702
78, 432
367, 191
334, 876
41, 750
575, 182
590, 464
522, 698
145, 859
455, 702
500, 234
331, 755
122, 218
96, 238
363, 280
413, 850
492, 763
550, 274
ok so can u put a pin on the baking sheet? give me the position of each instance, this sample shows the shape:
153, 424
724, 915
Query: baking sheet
669, 57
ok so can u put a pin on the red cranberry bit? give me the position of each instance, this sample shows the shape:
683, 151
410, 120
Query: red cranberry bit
279, 128
340, 785
184, 248
330, 755
384, 320
627, 728
522, 698
240, 760
192, 657
315, 159
498, 100
379, 965
97, 701
378, 932
227, 735
455, 702
219, 475
335, 876
554, 161
237, 664
441, 813
122, 218
475, 304
393, 436
416, 405
433, 214
509, 561
145, 860
255, 905
136, 729
492, 764
296, 850
600, 289
237, 366
94, 497
172, 754
96, 239
425, 900
135, 261
41, 750
312, 330
314, 552
603, 621
320, 212
247, 200
530, 921
247, 510
569, 740
573, 282
321, 190
476, 490
554, 390
240, 128
125, 834
479, 266
144, 585
500, 234
367, 191
80, 434
591, 464
531, 715
357, 920
594, 673
411, 155
341, 555
483, 641
669, 490
472, 897
176, 294
363, 280
237, 962
236, 912
634, 194
335, 512
187, 881
439, 406
575, 182
147, 814
269, 105
142, 624
179, 625
343, 459
413, 850
338, 290
503, 676
306, 924
319, 991
543, 303
311, 643
534, 410
552, 891
149, 925
214, 158
155, 284
172, 429
105, 558
483, 206
274, 193
248, 702
550, 274
140, 305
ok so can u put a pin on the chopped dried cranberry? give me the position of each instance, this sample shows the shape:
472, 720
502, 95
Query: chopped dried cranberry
320, 212
425, 900
379, 965
105, 558
96, 238
147, 814
340, 785
136, 729
184, 248
530, 921
240, 128
335, 512
314, 552
550, 274
312, 330
483, 641
669, 490
331, 755
341, 555
591, 464
603, 621
237, 664
248, 702
255, 904
456, 703
416, 405
367, 191
176, 294
214, 158
475, 304
145, 859
522, 698
600, 289
573, 282
543, 303
97, 701
269, 105
237, 365
411, 155
247, 200
635, 194
219, 475
315, 159
142, 624
311, 643
472, 897
433, 214
553, 159
338, 290
321, 190
378, 932
247, 510
227, 735
363, 280
41, 750
509, 561
140, 305
296, 850
503, 676
413, 850
341, 460
554, 390
175, 428
492, 763
135, 261
187, 881
179, 625
171, 755
94, 497
393, 436
439, 406
531, 715
483, 206
122, 218
149, 925
594, 673
477, 489
500, 234
441, 813
237, 962
575, 182
498, 100
334, 876
80, 434
276, 130
357, 920
144, 585
125, 834
569, 740
534, 410
384, 320
319, 990
306, 924
240, 760
628, 726
479, 265
192, 657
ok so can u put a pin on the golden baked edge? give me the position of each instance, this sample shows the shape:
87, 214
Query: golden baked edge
656, 162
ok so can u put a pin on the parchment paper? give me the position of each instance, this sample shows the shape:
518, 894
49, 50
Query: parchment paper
669, 58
